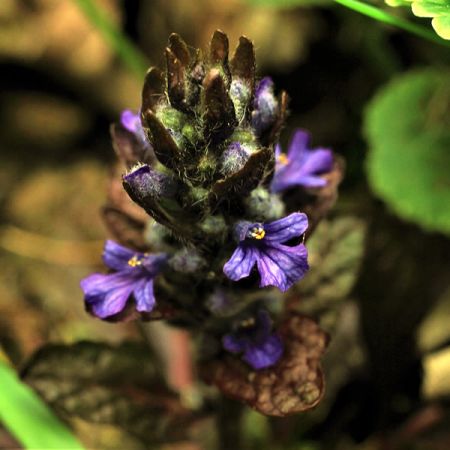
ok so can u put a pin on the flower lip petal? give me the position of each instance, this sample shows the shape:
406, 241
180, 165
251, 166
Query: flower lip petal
107, 294
99, 284
144, 295
282, 266
241, 263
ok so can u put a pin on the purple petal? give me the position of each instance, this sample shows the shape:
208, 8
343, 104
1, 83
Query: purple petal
311, 181
282, 266
116, 256
130, 120
233, 344
265, 354
263, 85
241, 263
143, 293
286, 228
298, 146
99, 284
265, 106
107, 294
317, 161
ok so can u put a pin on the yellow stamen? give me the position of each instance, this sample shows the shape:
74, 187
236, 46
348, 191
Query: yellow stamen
134, 261
257, 233
247, 323
283, 159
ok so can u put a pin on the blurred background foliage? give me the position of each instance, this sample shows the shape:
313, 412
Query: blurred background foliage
380, 265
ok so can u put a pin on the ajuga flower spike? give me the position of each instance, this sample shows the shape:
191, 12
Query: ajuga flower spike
199, 159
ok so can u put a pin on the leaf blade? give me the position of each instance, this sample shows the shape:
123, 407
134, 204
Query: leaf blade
29, 419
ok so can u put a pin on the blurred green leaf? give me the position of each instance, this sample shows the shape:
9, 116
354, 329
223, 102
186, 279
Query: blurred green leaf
107, 385
28, 418
407, 126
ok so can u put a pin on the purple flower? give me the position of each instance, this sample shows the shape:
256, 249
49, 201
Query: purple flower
132, 122
265, 106
254, 339
107, 294
301, 166
262, 244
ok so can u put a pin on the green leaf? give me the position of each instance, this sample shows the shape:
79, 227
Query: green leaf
442, 26
433, 8
28, 418
408, 131
439, 10
119, 386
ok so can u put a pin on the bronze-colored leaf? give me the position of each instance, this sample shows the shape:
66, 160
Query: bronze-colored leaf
165, 148
335, 252
243, 62
129, 149
220, 118
120, 386
219, 48
153, 90
293, 385
175, 80
273, 133
179, 49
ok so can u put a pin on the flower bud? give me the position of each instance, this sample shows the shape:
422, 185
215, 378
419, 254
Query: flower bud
263, 206
265, 106
145, 182
233, 158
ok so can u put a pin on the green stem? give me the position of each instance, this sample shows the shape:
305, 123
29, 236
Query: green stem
125, 49
382, 16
